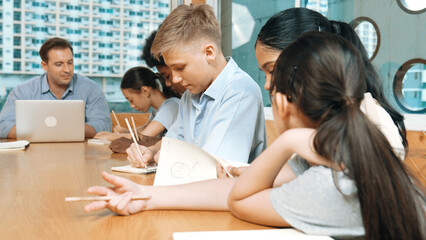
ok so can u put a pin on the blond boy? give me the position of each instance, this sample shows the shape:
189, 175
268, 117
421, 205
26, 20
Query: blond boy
222, 111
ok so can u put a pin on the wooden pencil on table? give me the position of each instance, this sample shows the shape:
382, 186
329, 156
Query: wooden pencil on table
104, 198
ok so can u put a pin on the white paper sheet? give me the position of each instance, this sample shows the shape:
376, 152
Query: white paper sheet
14, 145
130, 169
181, 162
270, 234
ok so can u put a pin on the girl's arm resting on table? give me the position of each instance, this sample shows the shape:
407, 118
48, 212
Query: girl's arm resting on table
204, 195
142, 127
118, 129
108, 136
250, 197
153, 129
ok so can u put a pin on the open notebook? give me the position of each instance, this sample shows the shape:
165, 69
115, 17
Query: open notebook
270, 234
181, 162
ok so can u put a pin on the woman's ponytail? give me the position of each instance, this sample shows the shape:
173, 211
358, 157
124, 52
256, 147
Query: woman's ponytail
137, 77
391, 206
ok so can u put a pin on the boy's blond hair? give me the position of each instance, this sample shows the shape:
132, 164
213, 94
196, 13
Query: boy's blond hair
185, 25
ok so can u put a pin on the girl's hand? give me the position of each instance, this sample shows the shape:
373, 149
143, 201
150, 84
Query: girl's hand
107, 136
122, 191
234, 171
118, 129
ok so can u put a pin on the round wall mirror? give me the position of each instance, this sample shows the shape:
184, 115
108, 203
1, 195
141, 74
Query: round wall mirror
412, 6
409, 86
369, 34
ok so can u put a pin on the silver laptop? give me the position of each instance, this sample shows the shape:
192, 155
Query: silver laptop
50, 120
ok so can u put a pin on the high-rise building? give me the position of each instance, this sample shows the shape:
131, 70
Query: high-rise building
368, 36
107, 37
320, 6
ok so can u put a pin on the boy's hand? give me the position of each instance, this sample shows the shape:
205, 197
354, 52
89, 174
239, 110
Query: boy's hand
122, 191
135, 158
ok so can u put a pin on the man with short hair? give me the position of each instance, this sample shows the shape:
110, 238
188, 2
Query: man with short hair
58, 83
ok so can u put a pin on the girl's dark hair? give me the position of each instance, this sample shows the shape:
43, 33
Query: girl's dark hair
137, 77
391, 205
286, 26
149, 59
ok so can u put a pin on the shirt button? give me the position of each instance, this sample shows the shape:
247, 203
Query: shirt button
196, 141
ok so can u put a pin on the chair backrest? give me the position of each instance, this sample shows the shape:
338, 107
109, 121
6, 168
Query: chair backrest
140, 119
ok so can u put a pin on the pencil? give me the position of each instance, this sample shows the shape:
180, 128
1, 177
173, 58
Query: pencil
104, 198
116, 119
133, 136
134, 127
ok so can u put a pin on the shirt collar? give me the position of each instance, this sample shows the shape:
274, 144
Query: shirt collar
45, 85
215, 90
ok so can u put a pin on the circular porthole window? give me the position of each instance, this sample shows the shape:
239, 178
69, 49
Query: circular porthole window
369, 34
412, 6
409, 86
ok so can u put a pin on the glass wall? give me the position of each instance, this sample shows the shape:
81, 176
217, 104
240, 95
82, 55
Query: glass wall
107, 38
389, 41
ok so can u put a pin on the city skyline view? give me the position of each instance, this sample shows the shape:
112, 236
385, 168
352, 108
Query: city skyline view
107, 37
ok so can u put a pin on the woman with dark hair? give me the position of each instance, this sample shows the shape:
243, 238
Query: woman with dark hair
286, 26
356, 185
145, 89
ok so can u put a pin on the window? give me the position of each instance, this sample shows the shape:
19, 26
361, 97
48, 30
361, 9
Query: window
16, 41
409, 86
412, 6
16, 66
17, 53
17, 3
16, 28
369, 33
17, 16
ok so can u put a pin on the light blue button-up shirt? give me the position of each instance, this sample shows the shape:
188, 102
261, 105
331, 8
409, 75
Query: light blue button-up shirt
227, 119
80, 88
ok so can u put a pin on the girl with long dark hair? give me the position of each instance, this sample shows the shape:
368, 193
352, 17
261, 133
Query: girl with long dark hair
356, 185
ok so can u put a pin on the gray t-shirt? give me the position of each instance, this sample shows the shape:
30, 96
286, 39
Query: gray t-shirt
166, 114
313, 204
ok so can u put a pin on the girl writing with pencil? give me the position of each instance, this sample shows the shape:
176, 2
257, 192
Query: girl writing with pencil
355, 185
145, 89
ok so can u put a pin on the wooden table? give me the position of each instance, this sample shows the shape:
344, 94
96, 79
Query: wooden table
35, 182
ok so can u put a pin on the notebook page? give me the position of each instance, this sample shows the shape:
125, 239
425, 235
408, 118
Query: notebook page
181, 162
270, 234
